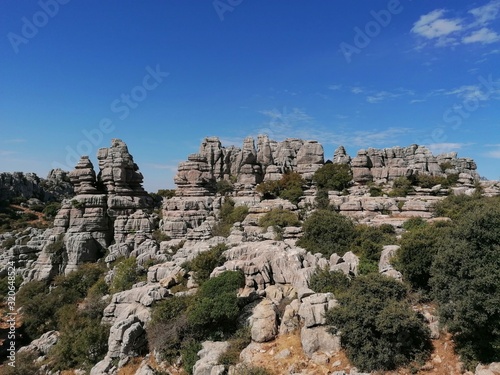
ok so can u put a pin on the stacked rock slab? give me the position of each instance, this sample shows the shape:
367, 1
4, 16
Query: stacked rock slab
106, 207
246, 167
383, 165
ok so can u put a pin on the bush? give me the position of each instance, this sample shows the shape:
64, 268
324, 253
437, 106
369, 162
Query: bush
376, 191
289, 187
166, 193
245, 369
229, 214
368, 244
189, 353
50, 211
83, 340
239, 341
224, 187
168, 328
377, 327
414, 223
418, 249
206, 262
401, 187
216, 308
40, 303
457, 206
126, 274
333, 176
465, 280
25, 364
280, 218
327, 232
325, 281
160, 236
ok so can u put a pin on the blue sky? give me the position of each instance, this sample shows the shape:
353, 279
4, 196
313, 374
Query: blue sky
162, 75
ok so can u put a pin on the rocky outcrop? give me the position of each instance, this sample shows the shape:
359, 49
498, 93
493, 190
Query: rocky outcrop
109, 207
25, 186
383, 165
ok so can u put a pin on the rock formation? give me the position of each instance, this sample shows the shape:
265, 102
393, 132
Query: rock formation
107, 208
383, 165
28, 185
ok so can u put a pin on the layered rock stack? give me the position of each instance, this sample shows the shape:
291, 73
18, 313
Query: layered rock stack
107, 207
192, 210
384, 165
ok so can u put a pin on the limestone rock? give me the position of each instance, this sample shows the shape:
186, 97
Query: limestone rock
209, 355
340, 156
313, 308
317, 339
264, 321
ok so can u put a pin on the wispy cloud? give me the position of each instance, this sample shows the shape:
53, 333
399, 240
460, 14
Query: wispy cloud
298, 124
441, 148
357, 90
168, 167
4, 153
495, 154
486, 13
484, 36
14, 140
440, 30
434, 26
335, 87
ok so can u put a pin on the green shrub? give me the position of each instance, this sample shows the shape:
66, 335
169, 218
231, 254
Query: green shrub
322, 200
376, 191
446, 165
224, 187
206, 262
368, 243
166, 193
414, 223
457, 206
239, 341
216, 308
325, 281
290, 187
327, 232
83, 340
378, 329
168, 329
401, 187
160, 236
465, 280
25, 364
419, 246
279, 218
40, 303
228, 215
333, 176
126, 274
4, 286
189, 353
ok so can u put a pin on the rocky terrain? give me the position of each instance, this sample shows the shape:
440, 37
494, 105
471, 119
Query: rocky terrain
111, 217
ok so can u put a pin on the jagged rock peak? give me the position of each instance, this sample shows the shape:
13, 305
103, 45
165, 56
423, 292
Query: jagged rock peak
340, 156
119, 174
249, 165
83, 177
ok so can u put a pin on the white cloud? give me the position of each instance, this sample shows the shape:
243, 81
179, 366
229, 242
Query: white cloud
486, 13
494, 154
443, 31
380, 96
357, 90
6, 153
335, 87
14, 140
417, 101
484, 36
441, 148
434, 25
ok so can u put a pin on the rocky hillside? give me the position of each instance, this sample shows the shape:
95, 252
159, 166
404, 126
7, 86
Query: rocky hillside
234, 273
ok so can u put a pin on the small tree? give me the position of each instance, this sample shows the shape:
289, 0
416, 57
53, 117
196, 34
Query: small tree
377, 327
327, 232
126, 274
333, 176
